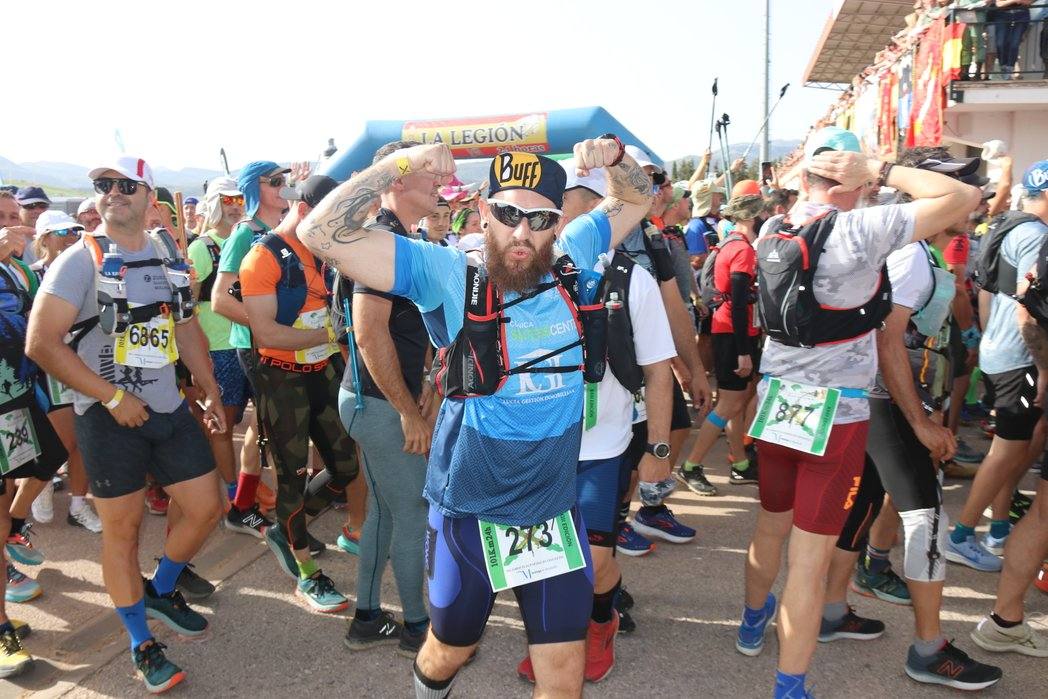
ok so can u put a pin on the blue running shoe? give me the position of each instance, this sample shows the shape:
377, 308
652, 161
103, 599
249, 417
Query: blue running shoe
965, 454
159, 673
662, 525
970, 553
20, 587
278, 544
630, 543
993, 544
173, 611
751, 636
320, 594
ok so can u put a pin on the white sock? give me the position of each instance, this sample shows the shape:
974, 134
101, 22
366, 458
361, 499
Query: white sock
77, 503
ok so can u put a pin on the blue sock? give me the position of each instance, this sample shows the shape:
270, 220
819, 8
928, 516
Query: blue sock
788, 686
166, 575
1000, 528
231, 491
752, 617
960, 533
134, 619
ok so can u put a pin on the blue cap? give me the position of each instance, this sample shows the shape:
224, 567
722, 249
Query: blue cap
831, 138
31, 195
247, 181
191, 200
1035, 180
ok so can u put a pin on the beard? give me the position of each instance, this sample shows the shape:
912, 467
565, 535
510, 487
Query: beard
517, 276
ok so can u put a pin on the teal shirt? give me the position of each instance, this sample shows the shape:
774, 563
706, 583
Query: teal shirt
233, 253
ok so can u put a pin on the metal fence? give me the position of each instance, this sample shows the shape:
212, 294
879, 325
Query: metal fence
1004, 44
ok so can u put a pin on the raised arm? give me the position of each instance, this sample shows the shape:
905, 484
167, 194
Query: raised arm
629, 187
335, 231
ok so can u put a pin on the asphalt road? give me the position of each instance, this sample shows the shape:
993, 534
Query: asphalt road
265, 643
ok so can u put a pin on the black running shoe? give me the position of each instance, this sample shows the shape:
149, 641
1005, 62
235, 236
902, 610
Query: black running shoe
624, 600
316, 546
626, 623
696, 480
411, 643
951, 667
1020, 506
251, 521
173, 611
737, 477
852, 626
380, 631
192, 586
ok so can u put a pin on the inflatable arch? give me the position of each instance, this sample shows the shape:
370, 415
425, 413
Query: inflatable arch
553, 133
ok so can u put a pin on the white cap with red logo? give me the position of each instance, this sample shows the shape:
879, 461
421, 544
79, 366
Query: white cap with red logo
130, 167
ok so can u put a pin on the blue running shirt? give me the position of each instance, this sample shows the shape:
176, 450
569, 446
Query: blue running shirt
511, 457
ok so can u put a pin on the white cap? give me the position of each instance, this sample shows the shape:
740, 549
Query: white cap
642, 158
55, 221
594, 181
86, 205
471, 241
130, 167
226, 186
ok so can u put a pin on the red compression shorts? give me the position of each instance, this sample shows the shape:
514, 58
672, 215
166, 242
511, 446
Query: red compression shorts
819, 489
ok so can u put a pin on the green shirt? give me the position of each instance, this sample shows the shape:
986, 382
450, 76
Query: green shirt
215, 326
233, 253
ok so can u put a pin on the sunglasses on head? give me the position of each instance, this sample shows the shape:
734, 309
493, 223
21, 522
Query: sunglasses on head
66, 232
275, 180
103, 185
510, 215
236, 199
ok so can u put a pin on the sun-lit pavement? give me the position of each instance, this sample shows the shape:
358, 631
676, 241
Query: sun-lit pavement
265, 643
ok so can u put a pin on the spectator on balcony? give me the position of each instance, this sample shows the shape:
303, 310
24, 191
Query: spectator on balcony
1010, 19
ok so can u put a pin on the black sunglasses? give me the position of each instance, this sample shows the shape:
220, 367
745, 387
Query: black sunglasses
509, 215
275, 181
104, 184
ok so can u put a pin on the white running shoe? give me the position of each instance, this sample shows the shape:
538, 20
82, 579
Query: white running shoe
85, 517
44, 506
1018, 639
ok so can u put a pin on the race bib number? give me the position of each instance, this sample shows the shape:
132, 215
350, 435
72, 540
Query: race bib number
149, 345
58, 392
313, 320
521, 555
796, 415
18, 442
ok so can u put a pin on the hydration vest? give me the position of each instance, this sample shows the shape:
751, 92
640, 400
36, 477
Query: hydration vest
477, 361
208, 283
114, 312
621, 352
711, 296
992, 273
1035, 299
790, 314
292, 289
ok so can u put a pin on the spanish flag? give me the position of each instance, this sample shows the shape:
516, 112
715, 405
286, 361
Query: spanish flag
951, 52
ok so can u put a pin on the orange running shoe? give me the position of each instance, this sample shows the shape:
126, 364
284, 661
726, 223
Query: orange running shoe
156, 500
1041, 581
600, 648
525, 671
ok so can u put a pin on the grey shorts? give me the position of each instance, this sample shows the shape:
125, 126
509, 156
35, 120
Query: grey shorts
169, 446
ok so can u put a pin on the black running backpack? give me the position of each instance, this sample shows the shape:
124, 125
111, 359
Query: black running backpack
991, 272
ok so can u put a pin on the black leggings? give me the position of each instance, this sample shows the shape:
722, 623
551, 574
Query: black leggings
896, 462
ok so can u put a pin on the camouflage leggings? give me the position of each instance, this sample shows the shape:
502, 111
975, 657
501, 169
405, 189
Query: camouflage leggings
295, 408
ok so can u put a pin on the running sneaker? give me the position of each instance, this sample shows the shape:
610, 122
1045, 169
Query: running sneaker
624, 600
991, 636
886, 585
965, 454
737, 477
994, 544
22, 628
961, 472
249, 521
970, 553
973, 412
265, 498
85, 518
600, 648
159, 673
662, 525
626, 622
1041, 581
1020, 506
750, 640
156, 500
630, 543
278, 544
43, 507
952, 667
192, 586
525, 671
57, 481
20, 587
173, 611
349, 541
411, 643
383, 630
316, 546
20, 548
696, 480
320, 593
14, 659
988, 427
851, 626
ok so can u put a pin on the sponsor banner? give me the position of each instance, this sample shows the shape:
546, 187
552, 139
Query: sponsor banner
483, 136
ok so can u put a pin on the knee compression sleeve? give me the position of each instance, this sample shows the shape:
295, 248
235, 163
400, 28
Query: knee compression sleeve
925, 532
716, 420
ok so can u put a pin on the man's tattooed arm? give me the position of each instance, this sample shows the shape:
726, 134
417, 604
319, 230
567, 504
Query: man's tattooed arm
629, 198
1036, 340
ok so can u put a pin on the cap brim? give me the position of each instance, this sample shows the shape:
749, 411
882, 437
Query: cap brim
67, 226
34, 200
277, 171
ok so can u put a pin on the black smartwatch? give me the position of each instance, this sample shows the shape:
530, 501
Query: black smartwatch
660, 450
622, 148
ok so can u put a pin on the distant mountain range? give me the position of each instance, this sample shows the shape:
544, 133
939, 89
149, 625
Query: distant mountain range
776, 149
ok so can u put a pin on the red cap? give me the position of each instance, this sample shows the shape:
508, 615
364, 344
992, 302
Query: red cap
745, 188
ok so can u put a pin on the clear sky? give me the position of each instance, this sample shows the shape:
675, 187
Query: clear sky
274, 80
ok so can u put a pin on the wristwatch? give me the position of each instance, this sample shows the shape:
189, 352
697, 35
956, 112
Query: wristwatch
622, 148
660, 450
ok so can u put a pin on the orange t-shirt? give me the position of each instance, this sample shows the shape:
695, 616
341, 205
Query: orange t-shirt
260, 275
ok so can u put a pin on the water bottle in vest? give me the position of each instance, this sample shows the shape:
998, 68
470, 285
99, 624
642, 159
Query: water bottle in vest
112, 291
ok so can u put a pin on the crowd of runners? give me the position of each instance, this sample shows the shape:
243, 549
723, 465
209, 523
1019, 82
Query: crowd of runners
487, 377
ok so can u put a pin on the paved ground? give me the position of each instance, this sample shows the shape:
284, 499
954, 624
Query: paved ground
265, 643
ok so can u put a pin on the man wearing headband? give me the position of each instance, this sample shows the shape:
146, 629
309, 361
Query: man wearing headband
506, 458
